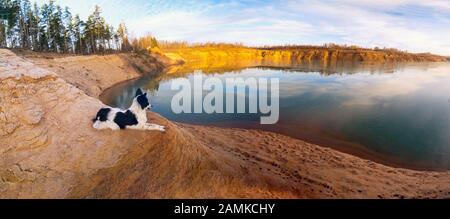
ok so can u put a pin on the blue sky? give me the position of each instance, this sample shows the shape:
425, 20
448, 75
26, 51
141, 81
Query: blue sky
413, 25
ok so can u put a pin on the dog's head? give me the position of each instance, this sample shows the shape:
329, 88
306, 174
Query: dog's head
142, 99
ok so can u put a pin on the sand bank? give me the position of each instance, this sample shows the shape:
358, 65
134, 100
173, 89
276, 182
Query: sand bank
49, 150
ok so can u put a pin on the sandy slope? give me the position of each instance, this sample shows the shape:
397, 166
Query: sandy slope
48, 149
93, 74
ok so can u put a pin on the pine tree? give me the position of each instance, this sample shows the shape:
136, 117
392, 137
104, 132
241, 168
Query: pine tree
68, 34
116, 40
34, 27
97, 28
89, 36
2, 33
107, 36
45, 35
122, 34
23, 24
3, 23
52, 28
77, 26
58, 30
12, 22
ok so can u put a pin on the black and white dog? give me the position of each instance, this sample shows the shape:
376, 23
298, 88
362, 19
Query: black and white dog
134, 117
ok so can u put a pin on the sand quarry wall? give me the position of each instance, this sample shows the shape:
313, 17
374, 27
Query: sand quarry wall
217, 57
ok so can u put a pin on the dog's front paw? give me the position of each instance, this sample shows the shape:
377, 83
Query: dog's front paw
155, 127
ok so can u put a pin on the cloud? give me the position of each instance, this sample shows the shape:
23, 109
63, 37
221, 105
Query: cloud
198, 27
413, 25
385, 24
368, 88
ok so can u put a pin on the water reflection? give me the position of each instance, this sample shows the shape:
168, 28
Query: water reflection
397, 114
324, 68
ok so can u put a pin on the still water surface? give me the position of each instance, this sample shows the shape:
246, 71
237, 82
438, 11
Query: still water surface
398, 115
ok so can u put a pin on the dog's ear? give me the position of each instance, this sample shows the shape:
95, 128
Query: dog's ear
138, 92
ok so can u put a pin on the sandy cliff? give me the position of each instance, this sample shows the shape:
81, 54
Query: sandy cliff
49, 150
217, 58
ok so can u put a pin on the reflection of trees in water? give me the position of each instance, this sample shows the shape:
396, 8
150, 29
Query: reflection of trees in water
122, 95
151, 86
324, 68
339, 67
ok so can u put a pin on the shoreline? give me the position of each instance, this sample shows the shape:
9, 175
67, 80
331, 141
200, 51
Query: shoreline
68, 159
340, 145
353, 149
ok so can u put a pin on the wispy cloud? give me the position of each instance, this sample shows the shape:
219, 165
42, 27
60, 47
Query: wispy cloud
413, 25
